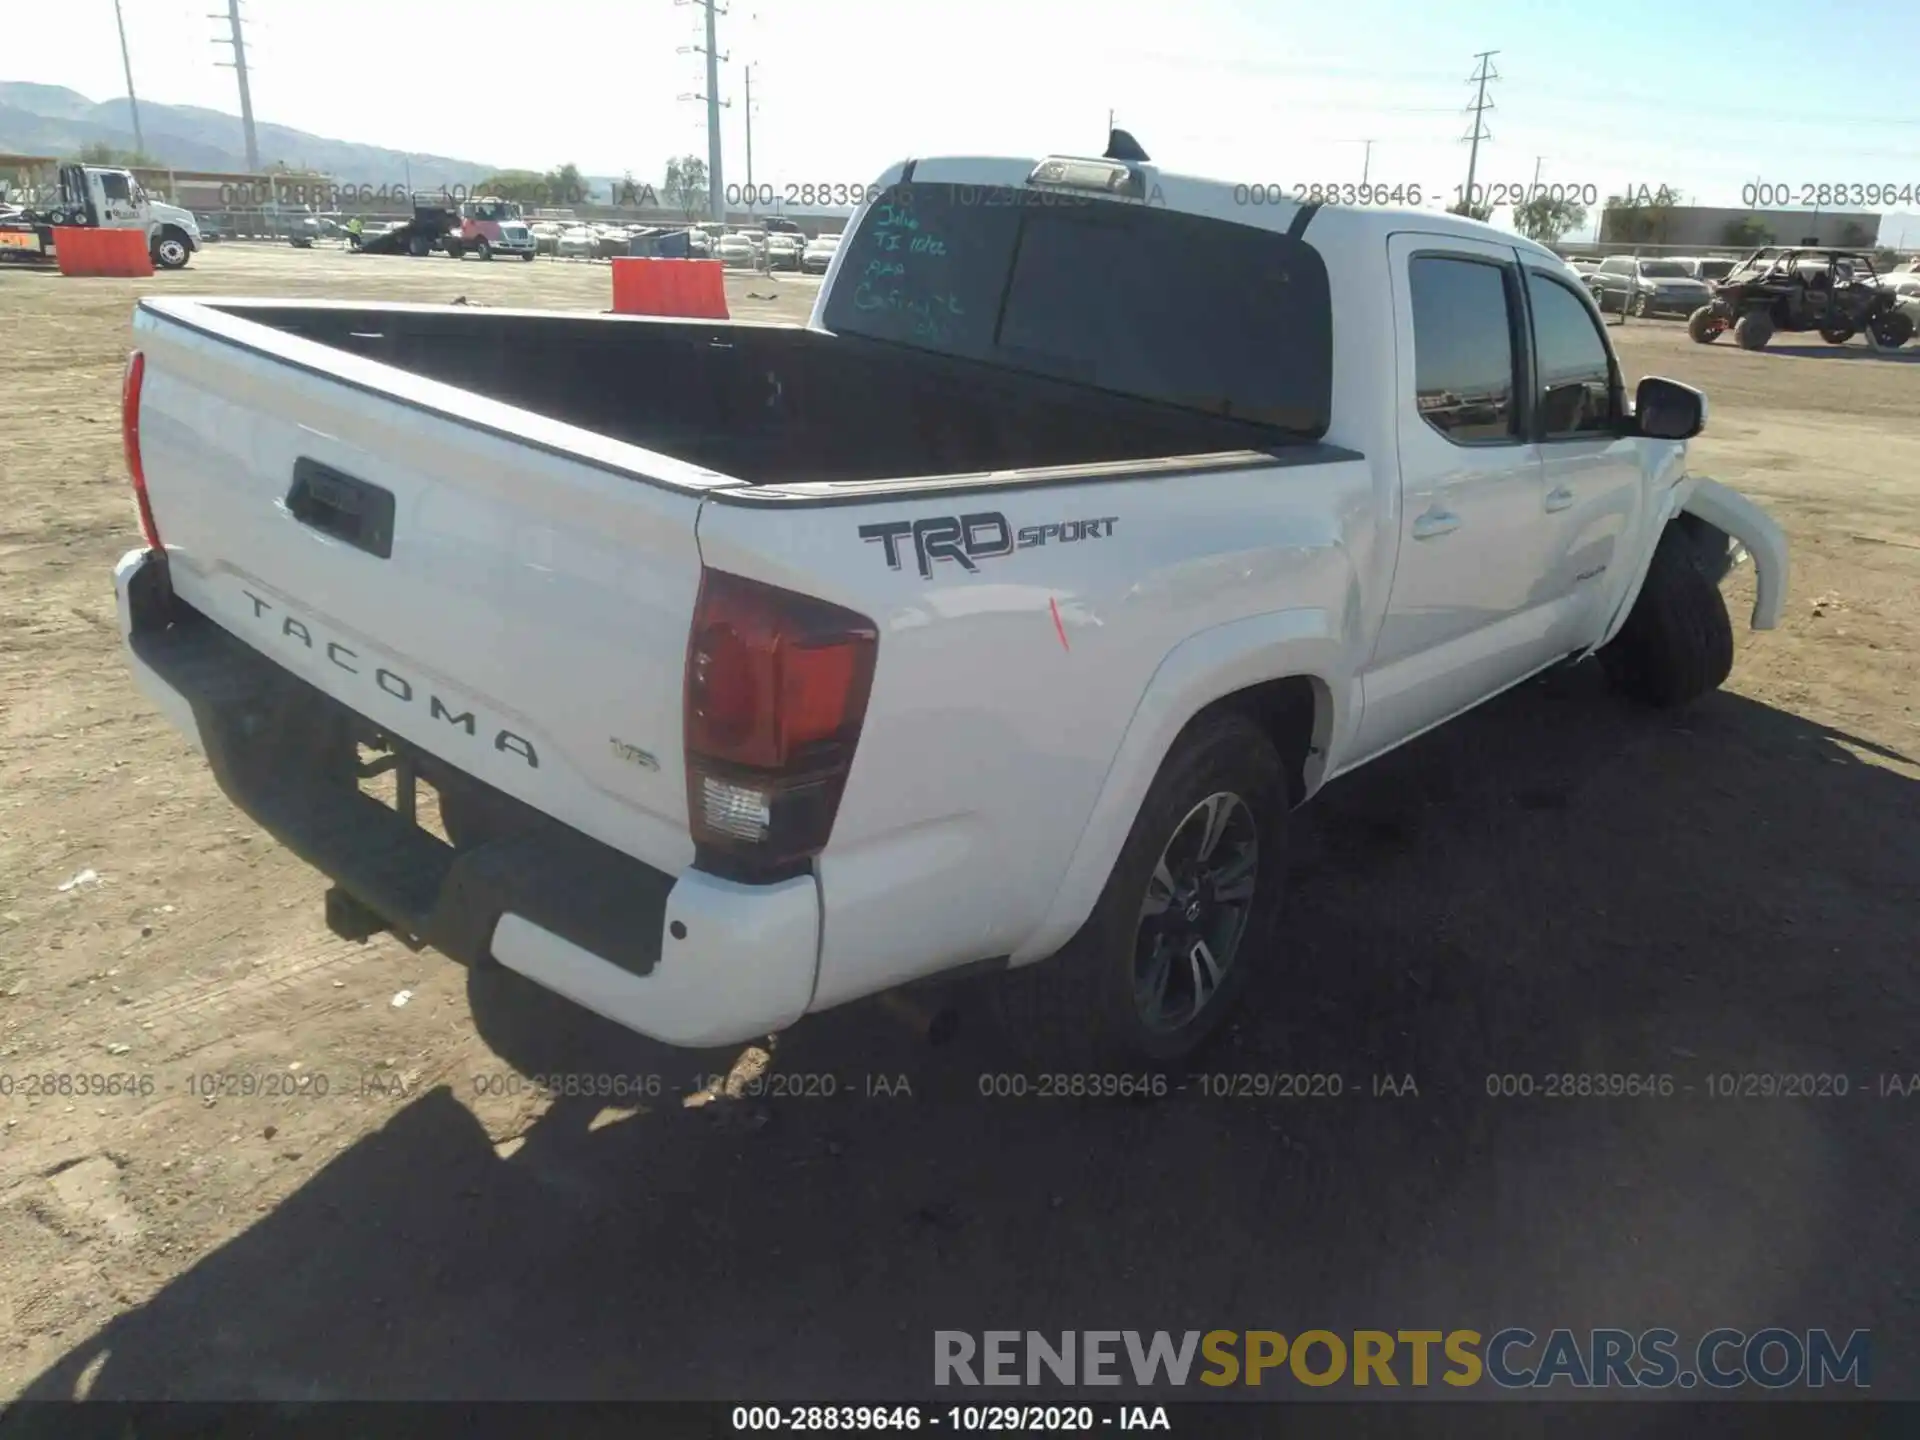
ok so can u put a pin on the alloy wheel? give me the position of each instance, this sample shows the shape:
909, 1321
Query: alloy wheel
1195, 912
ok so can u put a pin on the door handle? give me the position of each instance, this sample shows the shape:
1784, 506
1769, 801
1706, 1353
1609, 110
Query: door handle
1559, 498
1435, 523
338, 505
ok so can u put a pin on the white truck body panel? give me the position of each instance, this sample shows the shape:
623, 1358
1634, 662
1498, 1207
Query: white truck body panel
544, 595
544, 577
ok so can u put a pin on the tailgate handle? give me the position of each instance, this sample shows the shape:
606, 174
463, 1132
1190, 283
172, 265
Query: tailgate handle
338, 505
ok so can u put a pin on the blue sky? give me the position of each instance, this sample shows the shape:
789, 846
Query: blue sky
1606, 96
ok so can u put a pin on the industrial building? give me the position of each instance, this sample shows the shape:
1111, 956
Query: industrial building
1708, 227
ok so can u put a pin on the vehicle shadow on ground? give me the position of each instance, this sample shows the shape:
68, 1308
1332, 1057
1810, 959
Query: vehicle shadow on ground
1557, 885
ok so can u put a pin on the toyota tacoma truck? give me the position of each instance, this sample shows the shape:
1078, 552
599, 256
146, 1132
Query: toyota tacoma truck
994, 620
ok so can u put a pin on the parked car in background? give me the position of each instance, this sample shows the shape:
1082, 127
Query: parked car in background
546, 236
1636, 285
1905, 286
1584, 265
783, 251
612, 240
576, 242
736, 251
781, 225
1711, 269
819, 254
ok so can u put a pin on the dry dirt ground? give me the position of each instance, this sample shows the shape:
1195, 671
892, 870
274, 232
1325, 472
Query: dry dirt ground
373, 1202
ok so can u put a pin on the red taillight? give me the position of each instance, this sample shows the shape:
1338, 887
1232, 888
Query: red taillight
777, 688
130, 438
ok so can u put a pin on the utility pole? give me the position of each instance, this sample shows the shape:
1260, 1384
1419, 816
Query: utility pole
239, 67
1109, 120
1366, 162
1537, 160
716, 185
126, 61
1482, 74
753, 197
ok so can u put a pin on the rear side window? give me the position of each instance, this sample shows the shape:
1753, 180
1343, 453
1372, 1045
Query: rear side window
1205, 314
1576, 378
114, 187
1463, 356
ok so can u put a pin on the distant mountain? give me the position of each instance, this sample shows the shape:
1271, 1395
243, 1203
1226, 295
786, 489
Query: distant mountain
52, 120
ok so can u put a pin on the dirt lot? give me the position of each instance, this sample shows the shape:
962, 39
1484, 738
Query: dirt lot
1556, 884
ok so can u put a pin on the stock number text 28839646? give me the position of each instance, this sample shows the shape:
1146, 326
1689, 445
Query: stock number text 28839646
1765, 194
1333, 192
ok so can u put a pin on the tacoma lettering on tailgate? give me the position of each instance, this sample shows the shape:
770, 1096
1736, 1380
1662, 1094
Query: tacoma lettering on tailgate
295, 631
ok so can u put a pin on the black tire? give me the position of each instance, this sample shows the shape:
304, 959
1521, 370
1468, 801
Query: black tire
1893, 329
171, 250
1677, 643
1079, 1008
419, 246
1753, 330
481, 248
1642, 306
1837, 335
1702, 327
526, 254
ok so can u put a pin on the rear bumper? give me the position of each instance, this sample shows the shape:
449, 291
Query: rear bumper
690, 960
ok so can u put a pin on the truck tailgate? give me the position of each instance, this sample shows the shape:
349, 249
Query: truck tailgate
518, 607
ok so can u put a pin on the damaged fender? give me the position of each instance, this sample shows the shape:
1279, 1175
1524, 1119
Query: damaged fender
1732, 513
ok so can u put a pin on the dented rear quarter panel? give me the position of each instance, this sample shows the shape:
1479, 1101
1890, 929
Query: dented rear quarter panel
1002, 693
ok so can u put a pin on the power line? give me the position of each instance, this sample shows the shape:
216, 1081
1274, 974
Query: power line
239, 66
1483, 72
1642, 101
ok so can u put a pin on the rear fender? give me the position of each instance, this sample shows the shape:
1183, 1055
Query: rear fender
1200, 670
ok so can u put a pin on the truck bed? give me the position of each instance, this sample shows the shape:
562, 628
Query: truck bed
764, 404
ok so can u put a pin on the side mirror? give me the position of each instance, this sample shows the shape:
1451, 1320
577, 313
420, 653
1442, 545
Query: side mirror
1667, 410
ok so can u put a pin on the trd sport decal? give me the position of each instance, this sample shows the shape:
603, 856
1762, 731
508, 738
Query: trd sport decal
963, 539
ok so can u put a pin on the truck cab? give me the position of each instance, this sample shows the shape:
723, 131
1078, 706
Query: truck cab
491, 226
108, 198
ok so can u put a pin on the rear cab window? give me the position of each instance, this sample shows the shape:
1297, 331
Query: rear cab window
1466, 362
1232, 320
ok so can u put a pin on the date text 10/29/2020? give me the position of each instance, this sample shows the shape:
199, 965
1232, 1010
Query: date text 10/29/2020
1397, 193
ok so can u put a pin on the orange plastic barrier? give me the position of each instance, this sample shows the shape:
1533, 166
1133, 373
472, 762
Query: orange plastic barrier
82, 250
692, 289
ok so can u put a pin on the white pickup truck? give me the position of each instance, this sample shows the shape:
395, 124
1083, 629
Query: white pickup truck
994, 620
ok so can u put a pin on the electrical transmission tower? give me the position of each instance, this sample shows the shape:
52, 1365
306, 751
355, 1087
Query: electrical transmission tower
239, 67
716, 189
1483, 72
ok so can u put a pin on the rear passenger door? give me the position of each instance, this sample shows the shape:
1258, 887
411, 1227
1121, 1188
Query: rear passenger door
1464, 618
1591, 473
